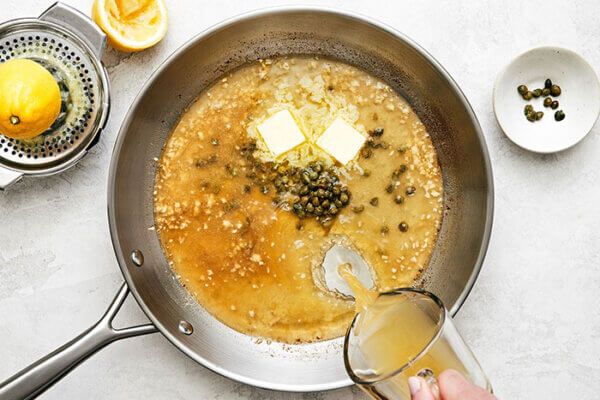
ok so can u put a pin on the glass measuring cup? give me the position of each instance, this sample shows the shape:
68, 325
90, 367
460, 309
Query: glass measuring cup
406, 332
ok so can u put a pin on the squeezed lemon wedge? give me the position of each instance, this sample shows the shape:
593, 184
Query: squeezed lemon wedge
131, 25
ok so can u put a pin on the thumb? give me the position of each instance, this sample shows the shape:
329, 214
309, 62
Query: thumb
455, 387
419, 389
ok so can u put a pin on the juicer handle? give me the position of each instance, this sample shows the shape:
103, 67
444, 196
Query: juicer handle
8, 177
39, 376
74, 20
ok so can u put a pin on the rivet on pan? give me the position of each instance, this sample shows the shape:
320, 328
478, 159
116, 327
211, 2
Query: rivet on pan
186, 328
137, 257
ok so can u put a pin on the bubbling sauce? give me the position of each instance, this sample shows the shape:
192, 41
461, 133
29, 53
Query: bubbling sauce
232, 237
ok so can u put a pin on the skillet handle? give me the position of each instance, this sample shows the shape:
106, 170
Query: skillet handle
39, 376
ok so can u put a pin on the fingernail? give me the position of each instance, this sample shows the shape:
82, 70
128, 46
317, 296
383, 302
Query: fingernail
414, 385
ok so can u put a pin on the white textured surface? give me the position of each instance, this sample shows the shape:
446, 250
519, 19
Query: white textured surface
533, 318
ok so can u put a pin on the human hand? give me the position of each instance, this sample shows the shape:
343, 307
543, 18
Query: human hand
452, 385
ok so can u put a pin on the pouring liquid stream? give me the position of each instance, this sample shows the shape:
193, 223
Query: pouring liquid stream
363, 297
396, 337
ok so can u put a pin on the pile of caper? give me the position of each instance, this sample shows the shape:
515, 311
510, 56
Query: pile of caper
531, 114
320, 194
550, 89
314, 191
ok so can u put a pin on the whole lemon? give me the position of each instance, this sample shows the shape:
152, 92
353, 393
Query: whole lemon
29, 99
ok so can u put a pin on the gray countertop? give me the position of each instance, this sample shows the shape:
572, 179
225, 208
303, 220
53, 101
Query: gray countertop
532, 319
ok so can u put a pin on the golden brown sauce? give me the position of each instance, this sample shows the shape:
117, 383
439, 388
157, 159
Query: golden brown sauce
245, 259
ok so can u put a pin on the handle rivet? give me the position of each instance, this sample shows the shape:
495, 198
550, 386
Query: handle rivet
186, 328
137, 257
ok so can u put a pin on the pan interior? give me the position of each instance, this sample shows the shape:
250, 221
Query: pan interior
387, 55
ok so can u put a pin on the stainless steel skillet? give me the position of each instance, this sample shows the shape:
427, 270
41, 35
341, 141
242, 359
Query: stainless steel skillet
370, 45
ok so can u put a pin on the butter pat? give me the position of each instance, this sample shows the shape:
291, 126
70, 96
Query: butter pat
341, 141
280, 132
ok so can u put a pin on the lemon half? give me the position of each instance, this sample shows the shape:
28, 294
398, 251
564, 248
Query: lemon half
131, 25
29, 99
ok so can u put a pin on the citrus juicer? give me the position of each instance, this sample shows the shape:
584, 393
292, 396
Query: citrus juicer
69, 45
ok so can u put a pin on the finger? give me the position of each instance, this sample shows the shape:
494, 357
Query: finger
453, 386
419, 389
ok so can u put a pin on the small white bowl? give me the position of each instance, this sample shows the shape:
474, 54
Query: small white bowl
580, 99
